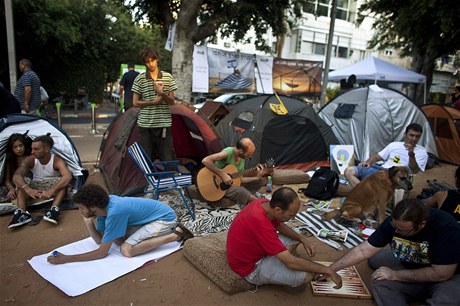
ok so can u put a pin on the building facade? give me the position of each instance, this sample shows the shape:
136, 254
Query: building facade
307, 40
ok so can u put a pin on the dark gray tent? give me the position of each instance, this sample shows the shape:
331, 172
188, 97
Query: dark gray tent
370, 118
299, 139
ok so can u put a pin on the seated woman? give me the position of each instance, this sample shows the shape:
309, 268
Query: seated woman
17, 149
448, 200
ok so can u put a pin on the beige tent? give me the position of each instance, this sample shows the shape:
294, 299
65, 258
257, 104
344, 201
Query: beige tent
445, 124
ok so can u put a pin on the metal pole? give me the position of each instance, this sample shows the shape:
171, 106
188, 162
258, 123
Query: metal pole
328, 53
58, 110
10, 43
93, 119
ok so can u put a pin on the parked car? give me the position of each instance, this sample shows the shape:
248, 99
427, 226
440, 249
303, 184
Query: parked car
229, 99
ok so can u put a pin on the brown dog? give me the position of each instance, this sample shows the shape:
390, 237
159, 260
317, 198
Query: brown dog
373, 193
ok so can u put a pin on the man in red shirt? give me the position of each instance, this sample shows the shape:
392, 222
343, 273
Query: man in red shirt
258, 253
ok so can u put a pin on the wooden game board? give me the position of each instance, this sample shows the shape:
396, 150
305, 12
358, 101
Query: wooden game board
352, 285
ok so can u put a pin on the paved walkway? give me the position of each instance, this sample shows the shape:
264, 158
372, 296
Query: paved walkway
78, 126
104, 110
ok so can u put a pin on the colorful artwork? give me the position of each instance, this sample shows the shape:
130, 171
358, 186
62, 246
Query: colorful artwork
341, 157
352, 285
291, 77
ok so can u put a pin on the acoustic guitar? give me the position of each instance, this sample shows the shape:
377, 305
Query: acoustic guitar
212, 187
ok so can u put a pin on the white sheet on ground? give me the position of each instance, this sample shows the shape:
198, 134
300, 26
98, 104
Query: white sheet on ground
79, 277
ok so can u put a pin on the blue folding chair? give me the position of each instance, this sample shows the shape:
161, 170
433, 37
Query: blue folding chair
160, 178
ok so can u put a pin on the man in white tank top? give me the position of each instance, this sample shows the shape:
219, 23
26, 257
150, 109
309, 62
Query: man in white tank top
50, 178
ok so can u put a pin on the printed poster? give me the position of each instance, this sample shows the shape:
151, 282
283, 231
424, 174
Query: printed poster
264, 74
230, 72
200, 74
291, 77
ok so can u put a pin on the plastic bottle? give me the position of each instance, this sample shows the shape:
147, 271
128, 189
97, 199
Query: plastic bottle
269, 184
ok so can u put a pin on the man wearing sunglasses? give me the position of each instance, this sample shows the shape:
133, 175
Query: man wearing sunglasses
423, 261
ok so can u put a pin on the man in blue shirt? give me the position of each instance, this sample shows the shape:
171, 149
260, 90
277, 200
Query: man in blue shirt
138, 225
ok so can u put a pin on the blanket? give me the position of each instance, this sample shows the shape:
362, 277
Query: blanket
314, 223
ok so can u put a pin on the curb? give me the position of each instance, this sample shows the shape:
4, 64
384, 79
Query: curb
88, 116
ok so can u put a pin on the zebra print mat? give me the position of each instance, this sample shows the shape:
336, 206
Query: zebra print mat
208, 219
314, 223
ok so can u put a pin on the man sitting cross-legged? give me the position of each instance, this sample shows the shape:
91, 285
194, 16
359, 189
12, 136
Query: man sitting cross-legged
50, 178
262, 256
237, 157
138, 225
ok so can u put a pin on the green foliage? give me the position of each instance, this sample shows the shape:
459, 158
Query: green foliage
227, 17
332, 92
438, 97
430, 26
78, 43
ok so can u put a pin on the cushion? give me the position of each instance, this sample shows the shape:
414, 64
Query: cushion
290, 176
208, 254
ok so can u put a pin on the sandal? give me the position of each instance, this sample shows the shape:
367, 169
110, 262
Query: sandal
184, 235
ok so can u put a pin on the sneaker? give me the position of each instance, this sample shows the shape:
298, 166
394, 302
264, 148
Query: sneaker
52, 215
20, 218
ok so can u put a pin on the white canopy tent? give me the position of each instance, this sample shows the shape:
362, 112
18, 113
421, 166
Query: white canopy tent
373, 68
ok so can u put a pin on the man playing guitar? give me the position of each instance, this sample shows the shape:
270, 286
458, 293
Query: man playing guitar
237, 156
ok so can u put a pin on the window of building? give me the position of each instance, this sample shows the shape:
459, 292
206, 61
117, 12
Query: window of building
309, 7
319, 49
322, 9
342, 52
316, 42
346, 9
388, 52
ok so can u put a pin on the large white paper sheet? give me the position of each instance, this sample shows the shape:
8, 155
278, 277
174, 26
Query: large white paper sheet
79, 277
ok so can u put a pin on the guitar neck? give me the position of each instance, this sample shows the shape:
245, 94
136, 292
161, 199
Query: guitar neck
238, 174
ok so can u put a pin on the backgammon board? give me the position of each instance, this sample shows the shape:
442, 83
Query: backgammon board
352, 285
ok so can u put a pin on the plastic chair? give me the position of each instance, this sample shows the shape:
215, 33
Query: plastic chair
160, 180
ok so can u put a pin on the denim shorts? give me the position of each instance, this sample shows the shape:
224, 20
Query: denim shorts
149, 230
363, 172
270, 270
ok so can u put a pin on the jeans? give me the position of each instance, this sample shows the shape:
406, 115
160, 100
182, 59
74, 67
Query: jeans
395, 293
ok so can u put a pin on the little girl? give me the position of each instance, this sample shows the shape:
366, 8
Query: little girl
17, 149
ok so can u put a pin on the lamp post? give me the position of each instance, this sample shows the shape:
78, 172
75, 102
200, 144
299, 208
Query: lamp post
10, 43
328, 52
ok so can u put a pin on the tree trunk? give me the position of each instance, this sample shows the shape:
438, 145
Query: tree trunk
182, 64
422, 63
182, 53
281, 38
427, 70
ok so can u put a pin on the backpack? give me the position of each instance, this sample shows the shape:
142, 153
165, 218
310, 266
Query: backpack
323, 185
